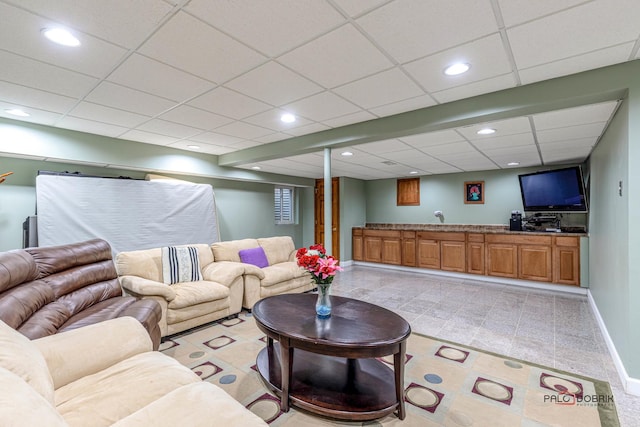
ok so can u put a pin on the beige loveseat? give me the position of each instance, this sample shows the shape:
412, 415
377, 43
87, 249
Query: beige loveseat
105, 374
282, 274
184, 304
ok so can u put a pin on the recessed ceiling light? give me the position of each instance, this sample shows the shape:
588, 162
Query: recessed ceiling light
513, 163
193, 147
413, 173
256, 168
486, 131
346, 153
61, 36
288, 118
458, 68
18, 112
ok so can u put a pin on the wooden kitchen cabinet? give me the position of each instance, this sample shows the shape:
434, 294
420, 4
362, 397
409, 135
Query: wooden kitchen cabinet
428, 250
357, 244
566, 260
409, 248
475, 253
539, 257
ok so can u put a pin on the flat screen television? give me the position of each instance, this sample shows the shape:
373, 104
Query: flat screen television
557, 190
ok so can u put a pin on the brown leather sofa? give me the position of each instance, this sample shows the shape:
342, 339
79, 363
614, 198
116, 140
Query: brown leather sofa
53, 289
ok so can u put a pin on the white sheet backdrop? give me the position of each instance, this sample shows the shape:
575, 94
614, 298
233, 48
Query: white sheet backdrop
129, 214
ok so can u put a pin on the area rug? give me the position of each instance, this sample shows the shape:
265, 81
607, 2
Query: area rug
446, 384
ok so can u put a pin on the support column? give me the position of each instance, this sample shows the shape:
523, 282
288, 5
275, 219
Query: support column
328, 220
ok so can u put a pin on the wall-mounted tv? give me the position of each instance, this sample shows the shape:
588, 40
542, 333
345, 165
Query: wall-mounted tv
557, 190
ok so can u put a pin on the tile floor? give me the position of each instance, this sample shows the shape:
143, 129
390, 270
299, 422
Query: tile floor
555, 329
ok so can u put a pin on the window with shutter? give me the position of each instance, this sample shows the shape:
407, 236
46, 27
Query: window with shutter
283, 205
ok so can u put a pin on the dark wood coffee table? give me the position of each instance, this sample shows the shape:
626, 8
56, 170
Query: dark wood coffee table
334, 370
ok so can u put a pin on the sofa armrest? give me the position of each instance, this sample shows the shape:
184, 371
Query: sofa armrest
250, 269
76, 353
145, 287
223, 272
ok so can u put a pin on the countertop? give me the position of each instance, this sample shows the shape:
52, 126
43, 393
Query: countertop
484, 228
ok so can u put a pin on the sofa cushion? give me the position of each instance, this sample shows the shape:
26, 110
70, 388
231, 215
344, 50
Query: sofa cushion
180, 264
228, 251
176, 408
278, 273
278, 249
21, 405
22, 357
121, 389
193, 293
255, 256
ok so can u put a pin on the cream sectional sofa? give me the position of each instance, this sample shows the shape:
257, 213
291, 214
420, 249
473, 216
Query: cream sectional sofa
184, 304
105, 374
282, 274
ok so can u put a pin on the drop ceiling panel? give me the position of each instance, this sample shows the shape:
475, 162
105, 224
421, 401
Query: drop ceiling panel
486, 56
169, 128
450, 148
380, 89
195, 117
94, 57
493, 84
23, 96
410, 30
381, 147
323, 106
432, 138
229, 103
105, 19
355, 8
519, 11
570, 33
243, 130
271, 120
305, 130
336, 58
502, 127
508, 141
89, 110
90, 126
572, 132
575, 116
151, 76
203, 147
272, 27
37, 116
274, 84
576, 64
124, 98
216, 139
148, 137
578, 143
403, 106
28, 72
348, 119
206, 47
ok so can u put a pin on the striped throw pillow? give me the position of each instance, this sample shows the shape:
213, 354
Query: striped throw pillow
180, 264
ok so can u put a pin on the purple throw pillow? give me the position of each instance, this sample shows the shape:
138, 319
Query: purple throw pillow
255, 256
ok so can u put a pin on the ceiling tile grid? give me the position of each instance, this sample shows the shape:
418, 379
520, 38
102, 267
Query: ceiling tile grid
184, 73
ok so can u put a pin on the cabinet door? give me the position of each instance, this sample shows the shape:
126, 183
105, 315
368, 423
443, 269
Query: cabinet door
357, 246
502, 260
475, 257
429, 253
392, 251
566, 265
372, 249
409, 252
535, 263
452, 256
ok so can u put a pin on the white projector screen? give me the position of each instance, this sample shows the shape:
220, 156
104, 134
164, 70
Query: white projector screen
129, 214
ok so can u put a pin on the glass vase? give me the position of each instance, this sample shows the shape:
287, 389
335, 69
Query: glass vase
323, 304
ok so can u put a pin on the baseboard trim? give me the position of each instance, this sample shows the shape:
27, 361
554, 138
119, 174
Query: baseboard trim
631, 385
475, 277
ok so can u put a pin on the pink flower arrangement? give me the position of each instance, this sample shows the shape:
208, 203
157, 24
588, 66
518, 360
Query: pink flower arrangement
315, 260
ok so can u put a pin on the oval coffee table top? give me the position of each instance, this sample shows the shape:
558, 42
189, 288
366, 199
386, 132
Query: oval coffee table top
353, 323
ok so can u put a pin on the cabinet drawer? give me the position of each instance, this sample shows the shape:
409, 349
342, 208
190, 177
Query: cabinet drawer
408, 234
441, 235
382, 233
475, 237
357, 231
518, 239
570, 241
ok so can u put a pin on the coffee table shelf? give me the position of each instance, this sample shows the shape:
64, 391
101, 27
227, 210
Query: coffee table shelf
332, 367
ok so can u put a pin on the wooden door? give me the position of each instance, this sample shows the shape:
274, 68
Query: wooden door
335, 215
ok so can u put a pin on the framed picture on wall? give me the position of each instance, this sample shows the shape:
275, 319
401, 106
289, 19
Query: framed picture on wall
474, 192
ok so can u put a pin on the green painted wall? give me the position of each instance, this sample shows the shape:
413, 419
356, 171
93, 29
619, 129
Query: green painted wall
245, 209
353, 212
446, 193
609, 226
